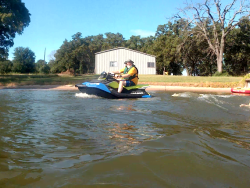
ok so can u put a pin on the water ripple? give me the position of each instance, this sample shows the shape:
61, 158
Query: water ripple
47, 132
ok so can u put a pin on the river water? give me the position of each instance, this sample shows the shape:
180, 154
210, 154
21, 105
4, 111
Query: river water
54, 138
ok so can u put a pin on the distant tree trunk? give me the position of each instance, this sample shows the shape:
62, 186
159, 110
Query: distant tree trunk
219, 62
220, 54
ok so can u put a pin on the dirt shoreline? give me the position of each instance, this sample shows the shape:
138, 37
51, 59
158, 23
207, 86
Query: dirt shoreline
151, 88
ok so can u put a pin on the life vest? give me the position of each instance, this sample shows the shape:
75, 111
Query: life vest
126, 70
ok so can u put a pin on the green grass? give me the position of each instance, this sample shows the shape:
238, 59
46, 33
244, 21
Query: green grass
187, 79
26, 79
32, 79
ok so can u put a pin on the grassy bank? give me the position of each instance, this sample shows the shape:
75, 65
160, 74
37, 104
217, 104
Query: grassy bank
191, 81
24, 79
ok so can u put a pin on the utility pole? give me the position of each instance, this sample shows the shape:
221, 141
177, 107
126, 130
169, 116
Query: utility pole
44, 54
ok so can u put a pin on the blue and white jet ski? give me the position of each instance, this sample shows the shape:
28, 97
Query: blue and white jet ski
106, 86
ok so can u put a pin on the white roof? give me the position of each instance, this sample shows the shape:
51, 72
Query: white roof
125, 49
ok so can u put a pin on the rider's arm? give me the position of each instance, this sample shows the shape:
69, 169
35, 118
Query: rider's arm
125, 75
118, 71
115, 72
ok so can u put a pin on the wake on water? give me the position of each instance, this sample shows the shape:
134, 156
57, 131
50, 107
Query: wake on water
216, 100
181, 95
196, 95
185, 95
85, 95
221, 101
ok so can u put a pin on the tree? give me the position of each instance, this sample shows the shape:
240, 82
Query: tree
113, 40
165, 48
24, 60
214, 22
147, 44
237, 51
45, 69
42, 67
5, 67
14, 17
79, 53
56, 67
134, 43
196, 55
61, 56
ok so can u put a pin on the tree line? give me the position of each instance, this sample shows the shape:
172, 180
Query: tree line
206, 44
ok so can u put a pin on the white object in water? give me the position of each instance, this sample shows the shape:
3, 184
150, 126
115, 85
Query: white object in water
175, 95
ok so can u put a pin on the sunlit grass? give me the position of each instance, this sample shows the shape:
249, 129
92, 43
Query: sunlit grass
33, 79
188, 79
26, 79
191, 81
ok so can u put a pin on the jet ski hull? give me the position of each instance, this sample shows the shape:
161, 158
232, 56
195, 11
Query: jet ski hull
95, 91
102, 90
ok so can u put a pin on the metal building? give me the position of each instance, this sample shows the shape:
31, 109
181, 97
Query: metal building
113, 59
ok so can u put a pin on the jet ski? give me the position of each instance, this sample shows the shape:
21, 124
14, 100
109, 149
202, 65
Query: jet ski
106, 86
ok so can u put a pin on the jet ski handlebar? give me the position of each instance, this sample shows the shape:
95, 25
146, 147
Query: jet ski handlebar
117, 78
109, 76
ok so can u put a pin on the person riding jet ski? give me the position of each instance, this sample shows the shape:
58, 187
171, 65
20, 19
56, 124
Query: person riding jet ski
130, 74
107, 86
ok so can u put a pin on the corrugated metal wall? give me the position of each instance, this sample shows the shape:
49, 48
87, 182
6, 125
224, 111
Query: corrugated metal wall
120, 55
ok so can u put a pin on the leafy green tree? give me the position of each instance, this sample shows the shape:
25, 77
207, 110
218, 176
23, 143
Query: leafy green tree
94, 46
61, 56
165, 48
134, 43
24, 60
42, 67
14, 17
113, 40
67, 55
5, 66
237, 51
147, 45
56, 67
39, 64
197, 58
51, 63
79, 53
45, 69
193, 50
85, 57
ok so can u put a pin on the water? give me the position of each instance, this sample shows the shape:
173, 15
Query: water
68, 139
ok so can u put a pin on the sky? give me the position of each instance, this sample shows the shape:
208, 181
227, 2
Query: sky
53, 21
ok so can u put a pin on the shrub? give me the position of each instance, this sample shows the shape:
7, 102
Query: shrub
5, 67
223, 74
243, 81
